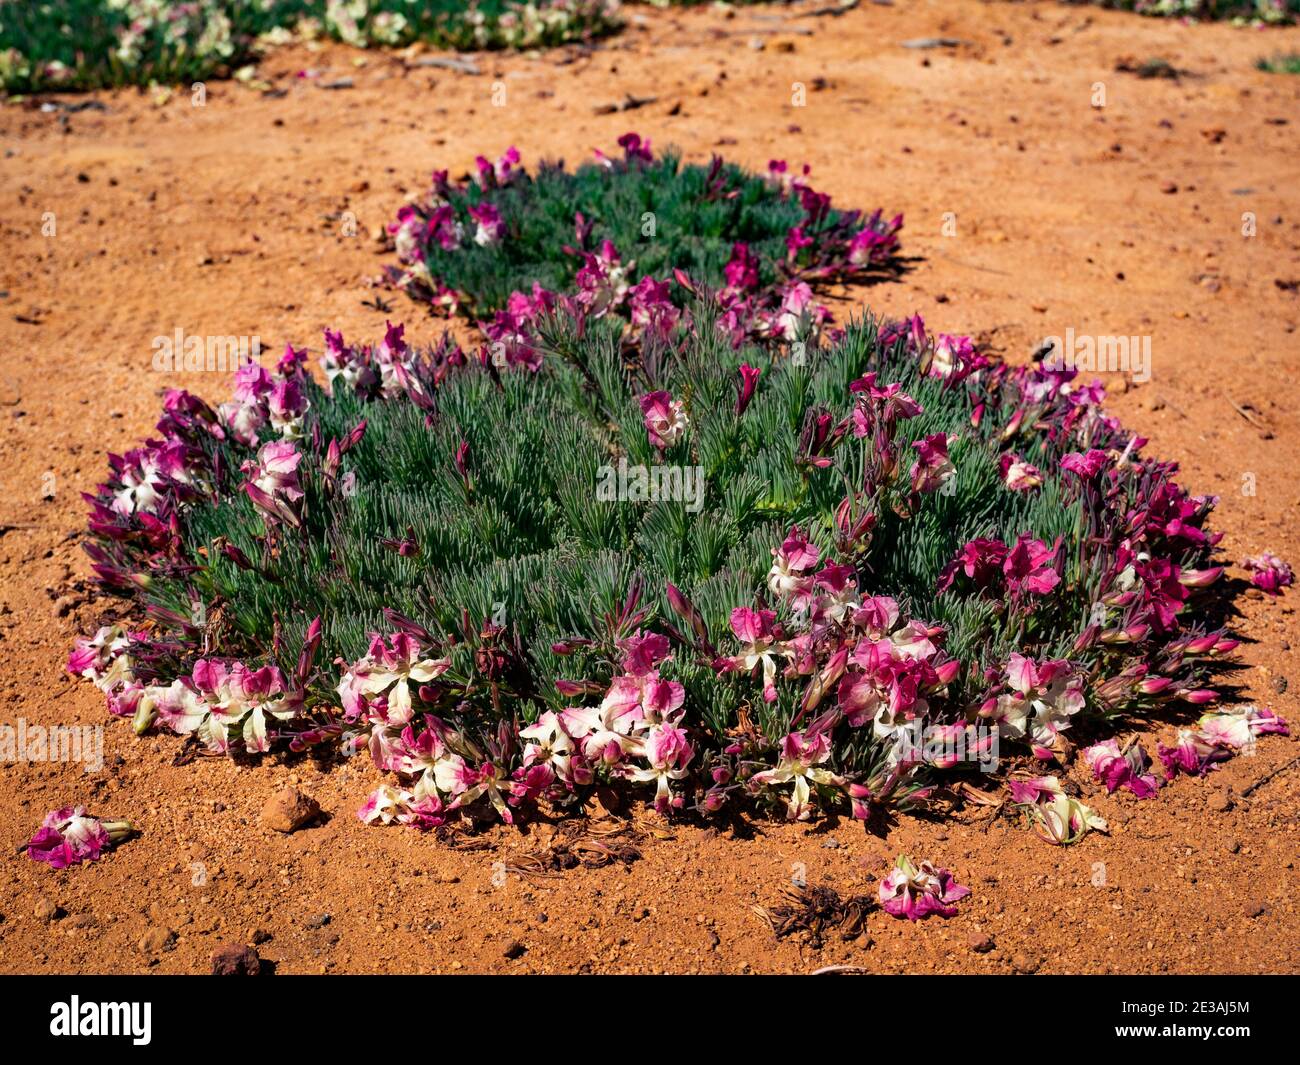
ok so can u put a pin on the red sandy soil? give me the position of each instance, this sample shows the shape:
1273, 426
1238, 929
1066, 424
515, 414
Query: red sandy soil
224, 220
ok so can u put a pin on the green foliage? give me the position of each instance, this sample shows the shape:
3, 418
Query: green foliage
1281, 64
660, 215
48, 45
1254, 11
530, 542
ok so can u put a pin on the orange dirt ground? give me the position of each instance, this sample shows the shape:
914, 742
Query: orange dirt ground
224, 219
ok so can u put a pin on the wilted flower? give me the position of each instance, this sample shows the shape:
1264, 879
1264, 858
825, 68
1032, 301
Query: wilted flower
385, 804
1237, 727
1268, 572
1057, 817
665, 418
933, 468
1126, 768
915, 891
1193, 754
1019, 475
69, 835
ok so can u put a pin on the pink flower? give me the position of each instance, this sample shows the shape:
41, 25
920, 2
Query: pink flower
916, 891
792, 561
665, 419
651, 307
1084, 465
1126, 768
275, 471
981, 560
602, 280
801, 760
1029, 566
489, 222
1238, 727
1268, 572
1019, 475
933, 468
1044, 698
385, 804
753, 628
642, 652
669, 752
69, 835
748, 381
1192, 754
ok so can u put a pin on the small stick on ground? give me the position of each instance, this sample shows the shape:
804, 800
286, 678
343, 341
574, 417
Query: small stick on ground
1269, 776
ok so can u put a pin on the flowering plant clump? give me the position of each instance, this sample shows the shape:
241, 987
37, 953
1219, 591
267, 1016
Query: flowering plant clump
711, 574
60, 45
493, 246
69, 836
1252, 11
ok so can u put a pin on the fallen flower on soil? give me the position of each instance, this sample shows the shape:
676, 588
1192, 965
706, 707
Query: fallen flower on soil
69, 835
1127, 768
915, 891
1055, 816
1268, 572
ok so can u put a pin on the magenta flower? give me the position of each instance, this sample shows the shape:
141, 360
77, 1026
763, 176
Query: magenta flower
916, 891
642, 652
1127, 768
887, 405
69, 835
1085, 465
651, 307
933, 468
488, 219
792, 560
981, 560
493, 175
741, 270
635, 149
1268, 572
1019, 475
748, 382
665, 419
800, 764
1029, 566
1192, 754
